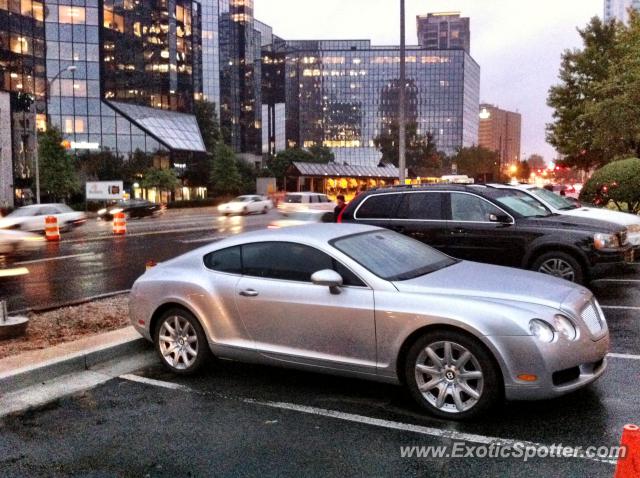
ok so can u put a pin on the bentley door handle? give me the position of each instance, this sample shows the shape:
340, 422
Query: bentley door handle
249, 293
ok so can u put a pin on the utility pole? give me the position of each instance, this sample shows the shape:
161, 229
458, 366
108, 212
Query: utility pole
402, 162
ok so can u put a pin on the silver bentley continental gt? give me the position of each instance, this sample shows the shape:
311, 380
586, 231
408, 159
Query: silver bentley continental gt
362, 301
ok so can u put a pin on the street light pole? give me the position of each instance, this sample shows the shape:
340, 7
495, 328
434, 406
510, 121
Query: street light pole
402, 163
47, 89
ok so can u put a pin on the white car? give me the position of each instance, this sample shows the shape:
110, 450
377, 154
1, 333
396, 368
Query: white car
305, 201
559, 205
248, 204
32, 218
16, 242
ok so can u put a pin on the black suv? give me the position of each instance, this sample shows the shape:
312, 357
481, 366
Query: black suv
484, 224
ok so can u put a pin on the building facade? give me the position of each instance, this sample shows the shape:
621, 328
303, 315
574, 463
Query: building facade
500, 131
444, 31
342, 94
619, 9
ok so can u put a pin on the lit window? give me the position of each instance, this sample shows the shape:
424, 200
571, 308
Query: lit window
38, 11
75, 15
113, 21
25, 8
73, 125
19, 44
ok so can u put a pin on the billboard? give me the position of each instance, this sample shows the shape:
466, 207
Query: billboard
105, 190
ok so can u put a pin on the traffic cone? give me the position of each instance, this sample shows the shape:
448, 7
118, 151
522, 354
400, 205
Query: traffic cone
119, 224
51, 229
629, 465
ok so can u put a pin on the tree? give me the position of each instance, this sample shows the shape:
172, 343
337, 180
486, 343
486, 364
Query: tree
100, 166
279, 163
322, 154
57, 173
478, 162
134, 167
617, 182
575, 127
536, 162
422, 156
616, 111
524, 171
225, 178
248, 175
207, 118
163, 179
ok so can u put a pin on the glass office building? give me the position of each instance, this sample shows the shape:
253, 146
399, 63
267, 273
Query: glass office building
341, 94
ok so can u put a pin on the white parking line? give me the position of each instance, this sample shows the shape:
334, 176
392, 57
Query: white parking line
617, 280
58, 258
624, 356
377, 422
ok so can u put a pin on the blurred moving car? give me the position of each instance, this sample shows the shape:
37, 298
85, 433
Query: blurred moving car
305, 201
133, 208
247, 204
567, 206
300, 218
32, 218
14, 244
371, 303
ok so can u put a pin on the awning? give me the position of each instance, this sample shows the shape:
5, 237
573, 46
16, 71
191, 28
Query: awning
346, 171
176, 131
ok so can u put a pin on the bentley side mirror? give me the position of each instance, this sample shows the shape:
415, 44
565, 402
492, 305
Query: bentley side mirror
328, 278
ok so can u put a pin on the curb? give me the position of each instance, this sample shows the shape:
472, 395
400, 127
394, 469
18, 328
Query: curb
70, 303
70, 363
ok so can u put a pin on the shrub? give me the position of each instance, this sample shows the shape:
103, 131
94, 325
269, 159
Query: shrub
617, 182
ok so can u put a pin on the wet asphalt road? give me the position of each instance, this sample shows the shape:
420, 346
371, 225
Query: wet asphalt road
90, 260
248, 420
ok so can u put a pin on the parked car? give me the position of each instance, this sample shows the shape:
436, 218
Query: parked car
14, 244
133, 209
300, 218
249, 204
497, 226
567, 207
32, 218
367, 302
305, 201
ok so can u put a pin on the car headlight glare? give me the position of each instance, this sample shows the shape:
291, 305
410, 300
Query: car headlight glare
542, 330
116, 210
606, 241
101, 212
565, 327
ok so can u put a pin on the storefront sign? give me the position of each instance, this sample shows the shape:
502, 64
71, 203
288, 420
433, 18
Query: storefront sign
105, 190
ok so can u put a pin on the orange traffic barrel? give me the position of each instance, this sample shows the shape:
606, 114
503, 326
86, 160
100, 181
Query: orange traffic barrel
51, 229
119, 224
629, 463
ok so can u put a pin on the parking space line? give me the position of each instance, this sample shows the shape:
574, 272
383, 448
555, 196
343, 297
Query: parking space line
619, 307
437, 433
624, 356
57, 258
617, 280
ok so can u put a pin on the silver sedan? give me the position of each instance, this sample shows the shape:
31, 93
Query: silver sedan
362, 301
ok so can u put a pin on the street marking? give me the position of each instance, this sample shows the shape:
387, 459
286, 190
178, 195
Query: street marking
376, 422
139, 234
619, 307
203, 239
155, 383
624, 356
58, 258
18, 271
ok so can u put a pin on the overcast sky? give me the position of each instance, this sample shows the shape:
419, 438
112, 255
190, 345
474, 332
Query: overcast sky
517, 43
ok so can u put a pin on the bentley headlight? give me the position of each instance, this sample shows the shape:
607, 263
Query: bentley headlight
606, 241
542, 330
565, 327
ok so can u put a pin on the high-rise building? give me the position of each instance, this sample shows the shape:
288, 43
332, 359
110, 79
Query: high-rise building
343, 93
444, 31
500, 131
619, 9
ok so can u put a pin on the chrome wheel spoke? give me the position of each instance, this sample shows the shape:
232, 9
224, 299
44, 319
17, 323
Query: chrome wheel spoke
192, 339
473, 375
457, 399
442, 395
437, 361
463, 359
468, 390
448, 357
428, 370
431, 384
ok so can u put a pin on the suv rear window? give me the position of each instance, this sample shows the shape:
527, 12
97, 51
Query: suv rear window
379, 206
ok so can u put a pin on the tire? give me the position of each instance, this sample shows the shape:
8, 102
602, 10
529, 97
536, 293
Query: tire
450, 394
245, 212
191, 358
566, 266
265, 210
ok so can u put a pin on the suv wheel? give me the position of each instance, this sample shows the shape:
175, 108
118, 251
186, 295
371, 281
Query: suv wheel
451, 375
560, 264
